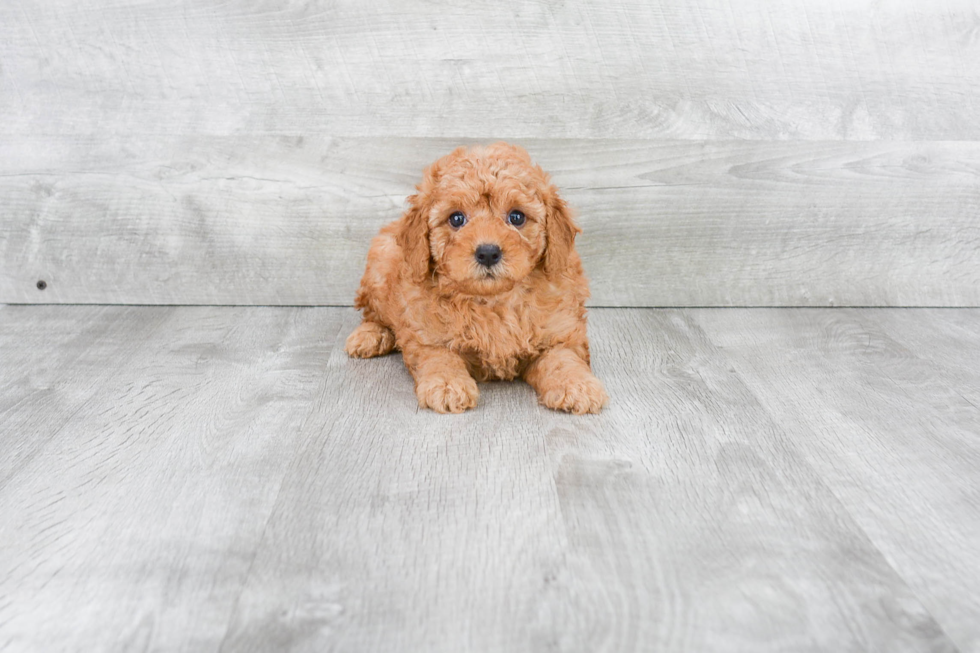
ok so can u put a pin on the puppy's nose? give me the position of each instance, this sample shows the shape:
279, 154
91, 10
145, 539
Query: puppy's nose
488, 255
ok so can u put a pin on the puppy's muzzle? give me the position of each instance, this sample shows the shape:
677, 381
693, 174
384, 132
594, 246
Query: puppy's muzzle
488, 255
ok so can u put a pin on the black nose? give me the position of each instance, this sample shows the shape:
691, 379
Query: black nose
488, 255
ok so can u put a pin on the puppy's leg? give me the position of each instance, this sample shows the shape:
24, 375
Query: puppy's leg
442, 382
564, 381
370, 339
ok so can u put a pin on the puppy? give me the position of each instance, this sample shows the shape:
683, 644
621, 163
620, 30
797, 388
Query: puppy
479, 280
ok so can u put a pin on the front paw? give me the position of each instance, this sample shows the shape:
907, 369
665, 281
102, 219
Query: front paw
370, 339
580, 394
447, 394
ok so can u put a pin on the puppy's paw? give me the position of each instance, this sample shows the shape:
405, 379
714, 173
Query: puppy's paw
580, 394
370, 339
447, 394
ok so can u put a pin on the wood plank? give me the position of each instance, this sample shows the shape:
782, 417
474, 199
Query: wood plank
135, 526
235, 485
401, 529
880, 406
682, 518
801, 69
287, 220
55, 359
947, 339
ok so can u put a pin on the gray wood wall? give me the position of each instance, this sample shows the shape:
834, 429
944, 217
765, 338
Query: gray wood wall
718, 152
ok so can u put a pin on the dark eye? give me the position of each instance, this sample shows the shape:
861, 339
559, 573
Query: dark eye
516, 218
457, 220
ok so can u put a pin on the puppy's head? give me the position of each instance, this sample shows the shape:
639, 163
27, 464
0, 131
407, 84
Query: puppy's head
484, 218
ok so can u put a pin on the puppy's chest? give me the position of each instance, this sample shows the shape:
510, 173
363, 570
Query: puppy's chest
496, 340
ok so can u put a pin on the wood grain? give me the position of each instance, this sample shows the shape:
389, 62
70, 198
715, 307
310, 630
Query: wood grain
239, 484
711, 69
133, 527
396, 529
884, 406
710, 515
287, 220
54, 367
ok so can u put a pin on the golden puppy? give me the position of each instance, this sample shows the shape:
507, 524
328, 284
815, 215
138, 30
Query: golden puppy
479, 280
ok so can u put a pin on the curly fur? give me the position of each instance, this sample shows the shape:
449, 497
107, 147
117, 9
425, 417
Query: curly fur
456, 321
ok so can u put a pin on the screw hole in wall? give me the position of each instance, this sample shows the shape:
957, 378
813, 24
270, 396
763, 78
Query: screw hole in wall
42, 284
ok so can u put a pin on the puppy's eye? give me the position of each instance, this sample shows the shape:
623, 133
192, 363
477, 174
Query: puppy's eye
457, 220
516, 218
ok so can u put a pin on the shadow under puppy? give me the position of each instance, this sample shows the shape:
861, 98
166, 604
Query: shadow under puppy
479, 280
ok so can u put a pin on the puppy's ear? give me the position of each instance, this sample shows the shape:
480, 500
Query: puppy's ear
413, 238
560, 231
414, 235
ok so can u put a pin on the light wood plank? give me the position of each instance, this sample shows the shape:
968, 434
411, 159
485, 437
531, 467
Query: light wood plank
407, 530
288, 220
135, 526
54, 360
709, 69
946, 339
679, 519
239, 484
893, 430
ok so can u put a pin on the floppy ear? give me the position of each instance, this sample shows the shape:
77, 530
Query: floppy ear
413, 238
560, 233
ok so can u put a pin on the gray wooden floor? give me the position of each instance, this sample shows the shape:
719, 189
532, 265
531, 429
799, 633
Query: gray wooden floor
205, 479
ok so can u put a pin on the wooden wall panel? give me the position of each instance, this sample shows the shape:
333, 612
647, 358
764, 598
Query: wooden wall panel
706, 69
268, 219
808, 152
